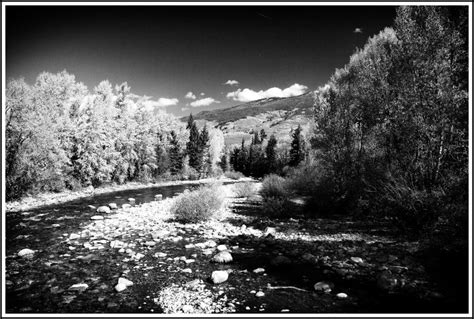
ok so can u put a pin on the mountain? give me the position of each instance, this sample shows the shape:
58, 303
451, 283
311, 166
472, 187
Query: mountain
275, 115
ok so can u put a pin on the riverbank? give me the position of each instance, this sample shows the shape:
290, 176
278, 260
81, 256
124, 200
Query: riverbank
295, 265
49, 198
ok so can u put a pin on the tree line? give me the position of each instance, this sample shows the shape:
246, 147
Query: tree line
59, 135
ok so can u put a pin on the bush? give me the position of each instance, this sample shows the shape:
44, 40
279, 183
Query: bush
199, 205
277, 207
274, 186
234, 175
245, 189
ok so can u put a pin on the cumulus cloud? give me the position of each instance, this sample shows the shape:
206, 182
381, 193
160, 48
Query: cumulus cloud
203, 102
162, 102
202, 94
357, 30
190, 95
183, 109
232, 82
247, 95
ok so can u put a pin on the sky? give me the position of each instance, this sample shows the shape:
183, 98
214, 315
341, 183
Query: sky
191, 58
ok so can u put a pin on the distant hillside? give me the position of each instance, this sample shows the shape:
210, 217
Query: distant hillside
275, 115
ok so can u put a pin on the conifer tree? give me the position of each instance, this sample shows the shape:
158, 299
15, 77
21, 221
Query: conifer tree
175, 155
297, 148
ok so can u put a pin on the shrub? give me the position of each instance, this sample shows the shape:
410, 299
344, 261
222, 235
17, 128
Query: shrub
199, 205
245, 189
277, 207
274, 186
234, 175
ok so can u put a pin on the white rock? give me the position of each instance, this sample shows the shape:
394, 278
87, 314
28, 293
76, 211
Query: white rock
260, 294
160, 255
79, 287
269, 230
26, 252
187, 270
150, 243
97, 217
322, 287
113, 206
189, 246
189, 261
120, 287
219, 276
211, 243
103, 209
124, 281
357, 260
258, 270
221, 247
341, 295
222, 257
131, 199
285, 310
126, 206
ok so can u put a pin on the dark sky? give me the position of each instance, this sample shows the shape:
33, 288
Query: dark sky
167, 51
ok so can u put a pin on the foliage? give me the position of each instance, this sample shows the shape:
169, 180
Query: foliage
199, 205
274, 186
276, 207
234, 175
297, 151
245, 189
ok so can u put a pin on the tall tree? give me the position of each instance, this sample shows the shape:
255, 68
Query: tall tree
175, 154
297, 150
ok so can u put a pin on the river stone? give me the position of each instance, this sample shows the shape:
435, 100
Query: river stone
74, 236
280, 261
219, 276
26, 252
131, 199
357, 260
269, 231
126, 206
341, 295
386, 281
113, 206
188, 309
97, 217
222, 257
258, 270
221, 247
103, 209
79, 287
150, 243
323, 287
260, 294
158, 197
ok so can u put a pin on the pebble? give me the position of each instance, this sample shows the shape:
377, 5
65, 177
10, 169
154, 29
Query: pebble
221, 247
74, 236
247, 308
103, 209
357, 260
126, 206
188, 309
113, 206
26, 252
131, 199
285, 310
187, 270
189, 246
322, 287
222, 257
259, 270
97, 217
150, 243
161, 255
79, 287
260, 294
189, 261
219, 276
341, 295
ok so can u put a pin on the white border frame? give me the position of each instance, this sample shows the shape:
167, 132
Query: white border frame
4, 4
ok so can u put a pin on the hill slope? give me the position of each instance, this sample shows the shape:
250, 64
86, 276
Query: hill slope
275, 115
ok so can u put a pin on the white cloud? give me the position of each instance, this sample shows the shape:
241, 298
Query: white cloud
247, 95
203, 102
190, 95
183, 109
162, 102
232, 82
202, 94
357, 30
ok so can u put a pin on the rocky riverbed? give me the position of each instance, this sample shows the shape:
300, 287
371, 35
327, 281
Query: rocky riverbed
137, 259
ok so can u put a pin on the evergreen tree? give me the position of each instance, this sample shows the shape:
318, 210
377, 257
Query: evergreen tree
193, 145
270, 153
297, 148
175, 155
203, 152
263, 135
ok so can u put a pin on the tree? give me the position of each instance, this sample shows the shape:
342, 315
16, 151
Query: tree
270, 154
297, 151
175, 155
203, 152
193, 146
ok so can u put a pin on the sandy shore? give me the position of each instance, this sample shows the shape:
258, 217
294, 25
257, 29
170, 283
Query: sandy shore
35, 201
